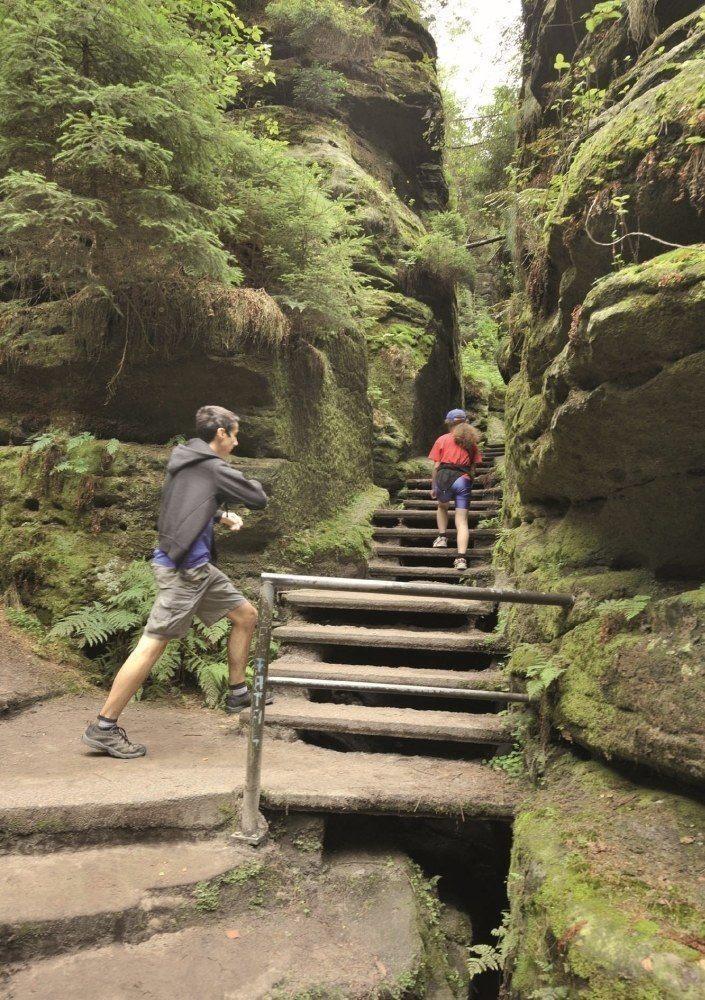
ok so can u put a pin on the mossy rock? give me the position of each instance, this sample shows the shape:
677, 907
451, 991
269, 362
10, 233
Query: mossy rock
604, 905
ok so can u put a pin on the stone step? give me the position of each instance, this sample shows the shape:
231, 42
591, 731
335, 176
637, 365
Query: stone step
193, 773
360, 601
417, 494
280, 933
402, 723
70, 897
476, 680
419, 552
421, 533
427, 515
485, 505
425, 484
388, 570
468, 641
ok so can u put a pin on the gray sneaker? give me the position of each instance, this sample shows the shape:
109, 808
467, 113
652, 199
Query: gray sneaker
237, 702
112, 741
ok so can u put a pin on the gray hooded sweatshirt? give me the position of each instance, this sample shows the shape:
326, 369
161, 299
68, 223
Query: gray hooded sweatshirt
197, 483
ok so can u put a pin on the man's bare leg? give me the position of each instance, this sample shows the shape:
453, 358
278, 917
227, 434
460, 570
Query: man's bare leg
132, 674
244, 623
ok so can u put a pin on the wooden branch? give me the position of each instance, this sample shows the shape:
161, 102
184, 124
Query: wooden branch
485, 242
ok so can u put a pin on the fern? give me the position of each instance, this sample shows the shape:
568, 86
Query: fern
628, 608
112, 626
89, 625
483, 958
541, 676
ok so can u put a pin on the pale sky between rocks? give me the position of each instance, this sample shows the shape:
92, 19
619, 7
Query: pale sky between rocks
472, 53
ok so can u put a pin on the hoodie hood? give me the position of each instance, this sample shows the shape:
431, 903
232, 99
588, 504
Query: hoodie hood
191, 453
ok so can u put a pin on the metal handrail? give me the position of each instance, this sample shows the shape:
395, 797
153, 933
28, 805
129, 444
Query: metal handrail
253, 825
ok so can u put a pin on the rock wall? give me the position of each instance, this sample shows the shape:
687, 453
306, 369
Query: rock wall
605, 495
318, 422
606, 359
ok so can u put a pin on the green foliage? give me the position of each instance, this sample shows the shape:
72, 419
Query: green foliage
602, 13
111, 147
111, 627
331, 31
426, 894
318, 88
540, 676
56, 457
476, 157
488, 957
441, 251
627, 608
479, 346
345, 536
25, 620
293, 239
511, 763
125, 185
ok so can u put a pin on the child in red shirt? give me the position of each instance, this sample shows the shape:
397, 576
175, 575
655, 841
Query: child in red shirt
455, 456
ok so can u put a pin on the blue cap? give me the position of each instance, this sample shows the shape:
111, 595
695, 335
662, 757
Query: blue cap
456, 415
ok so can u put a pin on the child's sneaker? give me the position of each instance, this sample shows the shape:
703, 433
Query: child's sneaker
460, 563
441, 542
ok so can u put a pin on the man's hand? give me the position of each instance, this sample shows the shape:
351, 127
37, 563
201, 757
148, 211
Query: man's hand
232, 521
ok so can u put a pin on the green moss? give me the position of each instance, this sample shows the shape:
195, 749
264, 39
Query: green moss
346, 537
586, 888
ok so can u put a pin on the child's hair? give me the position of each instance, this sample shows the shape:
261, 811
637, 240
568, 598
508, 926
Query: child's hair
467, 437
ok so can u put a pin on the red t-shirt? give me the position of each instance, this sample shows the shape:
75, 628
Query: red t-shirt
447, 450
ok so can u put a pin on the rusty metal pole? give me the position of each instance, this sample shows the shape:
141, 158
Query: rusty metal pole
253, 826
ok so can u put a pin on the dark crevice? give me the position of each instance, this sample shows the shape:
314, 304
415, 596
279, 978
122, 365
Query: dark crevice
469, 859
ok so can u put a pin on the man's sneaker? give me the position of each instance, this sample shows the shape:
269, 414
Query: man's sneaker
460, 563
441, 542
237, 702
112, 741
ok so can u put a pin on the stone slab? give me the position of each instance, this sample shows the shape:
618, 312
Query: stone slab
468, 641
312, 942
478, 680
360, 601
403, 723
194, 771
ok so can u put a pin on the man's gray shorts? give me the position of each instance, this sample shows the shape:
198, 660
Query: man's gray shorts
204, 592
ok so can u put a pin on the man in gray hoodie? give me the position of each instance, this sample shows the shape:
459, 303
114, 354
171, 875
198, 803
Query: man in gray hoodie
198, 481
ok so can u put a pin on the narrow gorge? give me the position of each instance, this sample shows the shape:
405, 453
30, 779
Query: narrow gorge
493, 789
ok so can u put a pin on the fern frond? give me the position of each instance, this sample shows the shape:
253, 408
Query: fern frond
212, 680
90, 625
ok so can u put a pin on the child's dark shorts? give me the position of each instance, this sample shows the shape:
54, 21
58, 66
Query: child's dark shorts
183, 594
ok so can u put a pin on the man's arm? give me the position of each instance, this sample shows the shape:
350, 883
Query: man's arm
233, 487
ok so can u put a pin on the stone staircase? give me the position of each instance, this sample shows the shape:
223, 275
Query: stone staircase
400, 674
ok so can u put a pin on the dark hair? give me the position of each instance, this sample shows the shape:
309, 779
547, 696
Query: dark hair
467, 437
210, 418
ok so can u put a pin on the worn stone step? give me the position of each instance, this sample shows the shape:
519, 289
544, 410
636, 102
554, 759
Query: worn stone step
50, 901
360, 601
421, 552
421, 533
422, 494
428, 515
402, 723
475, 680
388, 570
299, 937
468, 641
425, 484
484, 505
193, 773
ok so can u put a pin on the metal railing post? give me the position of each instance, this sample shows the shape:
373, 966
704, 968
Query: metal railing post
253, 826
